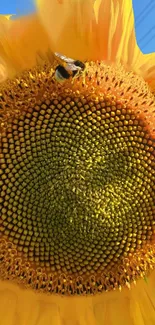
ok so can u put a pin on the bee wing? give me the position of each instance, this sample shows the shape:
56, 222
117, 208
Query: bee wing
72, 67
63, 57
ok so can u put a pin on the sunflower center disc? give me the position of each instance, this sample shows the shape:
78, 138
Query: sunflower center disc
77, 187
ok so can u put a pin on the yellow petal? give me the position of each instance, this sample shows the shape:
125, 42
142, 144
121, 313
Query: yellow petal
115, 31
147, 69
100, 29
20, 42
3, 70
70, 26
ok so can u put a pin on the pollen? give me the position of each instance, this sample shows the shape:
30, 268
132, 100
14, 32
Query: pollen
77, 184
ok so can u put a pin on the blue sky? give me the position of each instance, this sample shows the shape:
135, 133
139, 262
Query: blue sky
144, 11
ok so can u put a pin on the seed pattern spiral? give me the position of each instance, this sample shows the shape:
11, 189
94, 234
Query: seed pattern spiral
77, 185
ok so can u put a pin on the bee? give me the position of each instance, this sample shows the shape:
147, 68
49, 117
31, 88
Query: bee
67, 68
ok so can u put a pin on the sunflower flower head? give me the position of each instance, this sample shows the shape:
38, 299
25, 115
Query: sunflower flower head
77, 158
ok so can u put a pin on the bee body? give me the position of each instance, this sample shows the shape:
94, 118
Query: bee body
67, 67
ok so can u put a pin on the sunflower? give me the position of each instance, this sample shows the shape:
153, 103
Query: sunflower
77, 158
